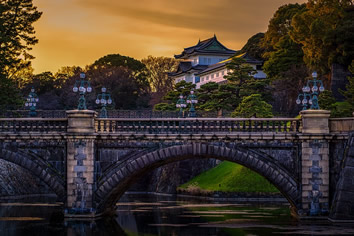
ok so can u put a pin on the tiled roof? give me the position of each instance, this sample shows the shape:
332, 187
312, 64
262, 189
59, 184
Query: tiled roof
186, 66
221, 64
209, 46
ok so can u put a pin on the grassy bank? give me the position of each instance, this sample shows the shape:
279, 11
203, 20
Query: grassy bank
230, 177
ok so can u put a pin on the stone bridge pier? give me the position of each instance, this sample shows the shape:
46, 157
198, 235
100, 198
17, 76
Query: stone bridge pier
314, 162
80, 164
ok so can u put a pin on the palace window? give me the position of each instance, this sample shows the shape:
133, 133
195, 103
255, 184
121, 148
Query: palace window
212, 76
217, 74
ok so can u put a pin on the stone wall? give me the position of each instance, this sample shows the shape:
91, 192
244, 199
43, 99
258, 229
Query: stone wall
15, 181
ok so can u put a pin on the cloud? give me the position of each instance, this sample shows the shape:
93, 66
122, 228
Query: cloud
77, 32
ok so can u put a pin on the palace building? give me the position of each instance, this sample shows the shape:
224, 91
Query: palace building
206, 62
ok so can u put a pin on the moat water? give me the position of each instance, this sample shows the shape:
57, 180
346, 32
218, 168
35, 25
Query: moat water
156, 215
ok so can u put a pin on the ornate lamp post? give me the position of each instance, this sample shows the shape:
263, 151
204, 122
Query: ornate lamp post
313, 97
31, 102
192, 99
82, 86
305, 101
181, 103
103, 99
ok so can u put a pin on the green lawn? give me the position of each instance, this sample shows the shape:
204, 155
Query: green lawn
231, 177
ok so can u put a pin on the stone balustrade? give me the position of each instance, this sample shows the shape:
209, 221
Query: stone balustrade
196, 125
33, 125
341, 125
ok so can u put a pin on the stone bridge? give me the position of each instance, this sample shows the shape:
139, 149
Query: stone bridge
90, 162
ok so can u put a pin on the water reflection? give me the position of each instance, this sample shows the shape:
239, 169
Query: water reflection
152, 215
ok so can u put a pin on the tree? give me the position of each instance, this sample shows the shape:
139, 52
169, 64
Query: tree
349, 93
284, 63
157, 69
127, 92
282, 52
239, 73
217, 97
253, 106
170, 99
16, 38
124, 77
326, 100
10, 97
254, 46
16, 34
317, 28
280, 25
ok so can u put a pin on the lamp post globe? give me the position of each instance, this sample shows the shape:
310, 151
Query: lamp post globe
192, 99
181, 104
82, 86
104, 99
310, 94
31, 102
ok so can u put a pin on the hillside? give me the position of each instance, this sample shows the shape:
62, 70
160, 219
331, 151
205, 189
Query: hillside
231, 177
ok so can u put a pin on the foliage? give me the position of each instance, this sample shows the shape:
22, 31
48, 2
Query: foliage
16, 35
281, 51
124, 77
342, 109
253, 47
181, 88
239, 73
326, 100
284, 63
10, 97
286, 88
217, 97
318, 31
349, 93
116, 60
164, 107
230, 177
286, 54
257, 86
253, 106
157, 69
280, 25
16, 39
127, 92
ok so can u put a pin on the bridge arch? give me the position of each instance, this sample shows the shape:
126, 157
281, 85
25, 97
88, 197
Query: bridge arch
118, 179
39, 168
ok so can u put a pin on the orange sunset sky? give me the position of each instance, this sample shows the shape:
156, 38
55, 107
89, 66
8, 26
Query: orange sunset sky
77, 32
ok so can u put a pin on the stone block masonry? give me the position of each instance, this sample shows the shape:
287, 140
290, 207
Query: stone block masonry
80, 163
80, 177
315, 175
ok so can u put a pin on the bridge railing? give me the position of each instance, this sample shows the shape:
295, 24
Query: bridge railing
341, 125
42, 125
197, 125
